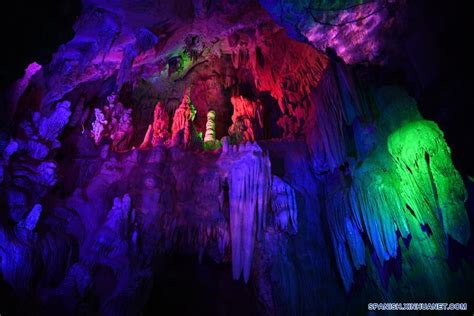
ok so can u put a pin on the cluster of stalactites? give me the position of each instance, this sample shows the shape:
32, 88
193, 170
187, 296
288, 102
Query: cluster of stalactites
178, 233
335, 106
289, 70
429, 182
412, 188
247, 119
345, 234
249, 180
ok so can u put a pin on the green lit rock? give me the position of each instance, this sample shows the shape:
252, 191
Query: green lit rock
429, 182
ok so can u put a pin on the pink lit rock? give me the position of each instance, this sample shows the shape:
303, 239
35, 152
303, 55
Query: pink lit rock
181, 130
160, 125
247, 119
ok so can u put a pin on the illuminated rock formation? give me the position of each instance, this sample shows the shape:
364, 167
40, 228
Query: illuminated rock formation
210, 135
98, 126
429, 183
32, 218
157, 132
160, 125
283, 203
247, 120
249, 186
114, 122
122, 131
247, 163
182, 129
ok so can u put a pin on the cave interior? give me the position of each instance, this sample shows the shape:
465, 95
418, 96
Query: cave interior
202, 157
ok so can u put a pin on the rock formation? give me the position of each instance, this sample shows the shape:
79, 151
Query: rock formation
247, 120
210, 135
113, 122
249, 186
98, 126
160, 125
253, 166
182, 130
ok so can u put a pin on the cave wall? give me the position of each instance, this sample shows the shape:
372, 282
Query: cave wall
323, 187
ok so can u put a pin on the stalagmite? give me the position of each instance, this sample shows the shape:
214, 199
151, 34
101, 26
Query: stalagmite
117, 218
347, 196
148, 137
210, 134
160, 125
182, 129
98, 126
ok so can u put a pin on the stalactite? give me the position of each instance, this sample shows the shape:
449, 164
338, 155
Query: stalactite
412, 188
283, 203
326, 132
288, 76
247, 120
249, 188
429, 182
356, 169
345, 234
205, 234
129, 55
347, 90
376, 205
